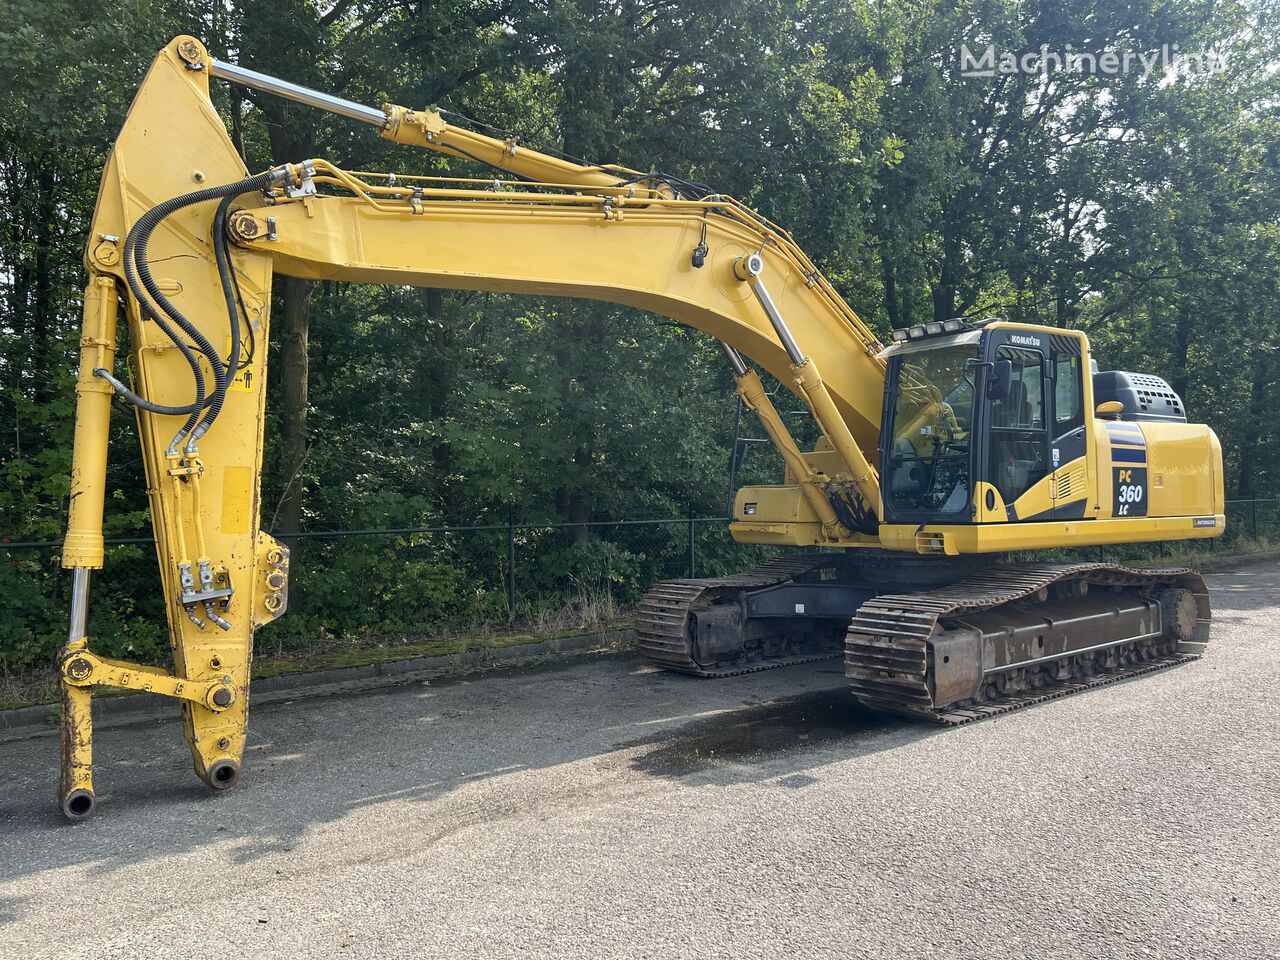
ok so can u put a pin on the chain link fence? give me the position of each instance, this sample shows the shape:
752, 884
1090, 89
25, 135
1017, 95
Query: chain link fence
410, 582
385, 584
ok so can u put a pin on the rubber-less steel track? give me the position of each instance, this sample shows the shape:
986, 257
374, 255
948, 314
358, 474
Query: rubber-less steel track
665, 618
889, 658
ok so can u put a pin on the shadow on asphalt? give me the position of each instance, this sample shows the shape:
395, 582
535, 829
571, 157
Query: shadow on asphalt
317, 761
736, 745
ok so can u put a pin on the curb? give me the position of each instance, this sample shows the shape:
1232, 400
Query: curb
41, 719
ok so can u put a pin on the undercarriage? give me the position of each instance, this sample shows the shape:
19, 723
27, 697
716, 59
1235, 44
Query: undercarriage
946, 641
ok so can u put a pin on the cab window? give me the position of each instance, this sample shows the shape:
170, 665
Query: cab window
928, 455
1018, 443
1023, 409
1068, 395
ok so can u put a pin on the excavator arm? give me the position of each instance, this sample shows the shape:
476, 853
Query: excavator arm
188, 242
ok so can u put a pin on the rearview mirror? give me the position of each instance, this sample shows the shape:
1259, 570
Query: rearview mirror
1110, 409
1001, 380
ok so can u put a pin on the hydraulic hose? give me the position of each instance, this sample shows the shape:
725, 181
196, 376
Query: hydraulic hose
233, 316
158, 307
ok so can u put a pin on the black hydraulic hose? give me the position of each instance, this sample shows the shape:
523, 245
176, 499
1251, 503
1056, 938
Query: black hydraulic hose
233, 316
151, 312
136, 268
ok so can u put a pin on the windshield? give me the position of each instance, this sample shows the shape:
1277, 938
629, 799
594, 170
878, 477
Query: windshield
929, 450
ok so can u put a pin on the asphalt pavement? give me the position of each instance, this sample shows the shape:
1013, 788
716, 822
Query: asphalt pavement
599, 808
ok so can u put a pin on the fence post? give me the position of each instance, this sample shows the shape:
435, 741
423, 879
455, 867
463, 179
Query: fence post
692, 558
1254, 504
511, 564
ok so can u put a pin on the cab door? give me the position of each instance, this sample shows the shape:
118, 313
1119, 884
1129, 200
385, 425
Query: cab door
1018, 440
1069, 485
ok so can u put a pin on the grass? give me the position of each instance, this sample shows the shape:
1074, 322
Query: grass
591, 611
1171, 553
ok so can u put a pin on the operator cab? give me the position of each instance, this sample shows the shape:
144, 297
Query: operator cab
1001, 405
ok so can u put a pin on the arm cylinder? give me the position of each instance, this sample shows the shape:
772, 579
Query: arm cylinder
426, 128
298, 94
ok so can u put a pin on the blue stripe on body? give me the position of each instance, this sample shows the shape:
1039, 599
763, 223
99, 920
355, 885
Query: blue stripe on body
1123, 455
1126, 434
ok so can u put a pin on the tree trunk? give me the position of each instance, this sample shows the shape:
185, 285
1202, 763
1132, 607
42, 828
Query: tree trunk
434, 386
944, 291
1181, 350
890, 287
577, 340
42, 307
294, 363
289, 141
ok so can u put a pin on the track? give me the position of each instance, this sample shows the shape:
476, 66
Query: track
666, 618
890, 656
1105, 623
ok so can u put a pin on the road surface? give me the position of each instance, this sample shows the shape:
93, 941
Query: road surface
600, 809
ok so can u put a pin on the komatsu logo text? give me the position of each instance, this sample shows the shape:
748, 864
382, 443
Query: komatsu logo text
1024, 341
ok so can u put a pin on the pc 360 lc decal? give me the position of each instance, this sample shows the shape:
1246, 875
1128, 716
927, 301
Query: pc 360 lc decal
1130, 486
1128, 470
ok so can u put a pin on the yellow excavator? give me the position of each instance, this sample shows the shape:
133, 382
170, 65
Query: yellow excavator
939, 451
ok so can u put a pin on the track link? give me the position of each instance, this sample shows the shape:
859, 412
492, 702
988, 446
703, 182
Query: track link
889, 656
665, 617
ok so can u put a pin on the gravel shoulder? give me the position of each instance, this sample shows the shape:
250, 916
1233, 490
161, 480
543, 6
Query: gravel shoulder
600, 808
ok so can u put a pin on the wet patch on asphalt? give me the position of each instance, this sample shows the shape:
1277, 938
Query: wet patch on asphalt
757, 733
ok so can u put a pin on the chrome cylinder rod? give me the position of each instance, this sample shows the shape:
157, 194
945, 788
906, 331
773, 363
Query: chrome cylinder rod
735, 360
748, 269
291, 91
79, 604
779, 325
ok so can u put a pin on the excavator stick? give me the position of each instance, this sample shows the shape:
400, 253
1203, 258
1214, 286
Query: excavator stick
155, 245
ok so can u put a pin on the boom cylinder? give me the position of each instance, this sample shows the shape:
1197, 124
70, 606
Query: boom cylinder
756, 399
811, 386
809, 382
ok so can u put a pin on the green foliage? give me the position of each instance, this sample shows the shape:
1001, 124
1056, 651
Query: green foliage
1144, 210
